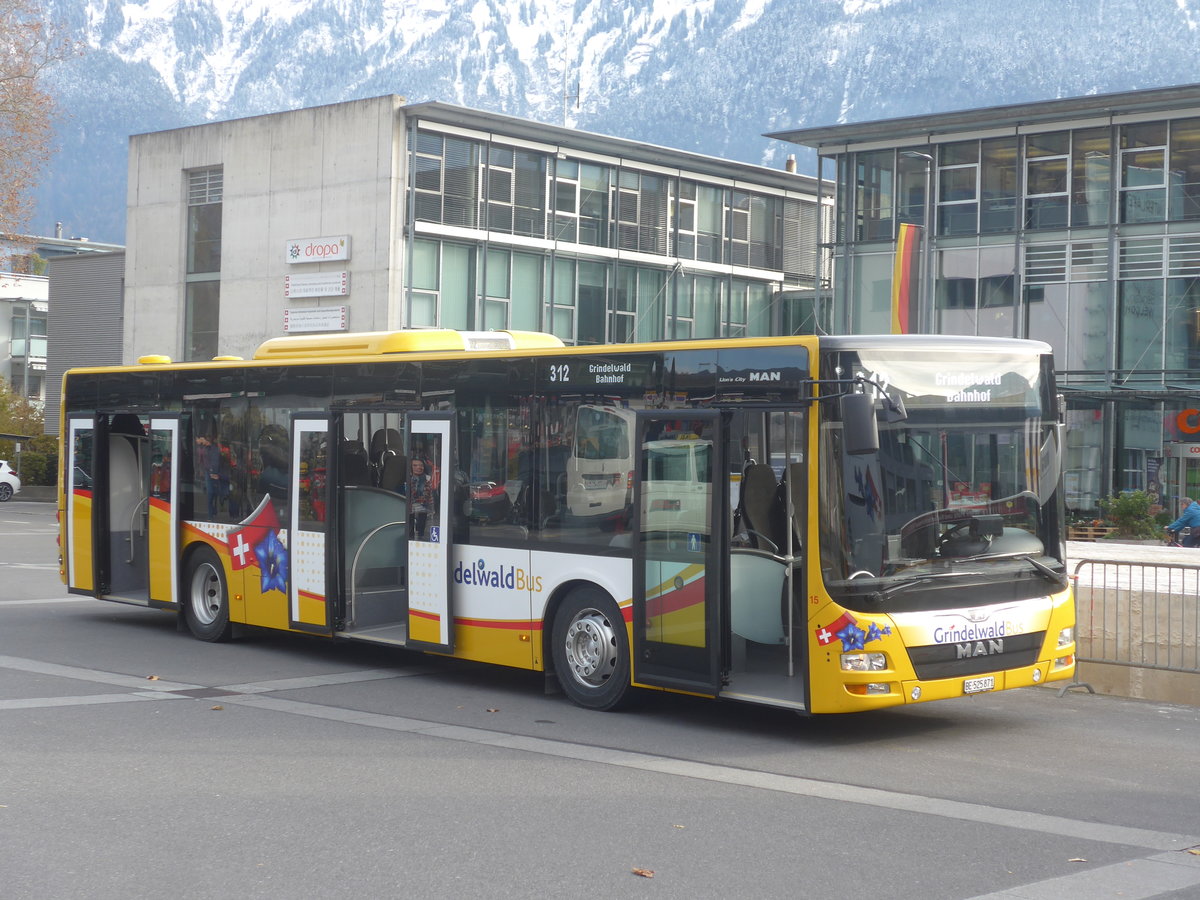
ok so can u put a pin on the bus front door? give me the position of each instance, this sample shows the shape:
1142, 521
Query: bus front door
678, 533
80, 504
120, 479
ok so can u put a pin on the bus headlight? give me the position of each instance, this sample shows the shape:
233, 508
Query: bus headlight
864, 662
1066, 637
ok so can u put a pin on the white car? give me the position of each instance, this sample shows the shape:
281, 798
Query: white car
9, 482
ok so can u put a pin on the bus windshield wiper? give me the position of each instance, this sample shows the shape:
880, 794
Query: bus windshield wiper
890, 590
1044, 570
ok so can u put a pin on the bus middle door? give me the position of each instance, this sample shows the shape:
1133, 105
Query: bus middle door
678, 534
308, 529
431, 483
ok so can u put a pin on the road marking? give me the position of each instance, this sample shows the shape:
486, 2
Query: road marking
291, 684
1166, 870
84, 700
96, 676
1137, 879
4, 603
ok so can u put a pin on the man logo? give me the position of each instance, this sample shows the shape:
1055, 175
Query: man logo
766, 376
980, 648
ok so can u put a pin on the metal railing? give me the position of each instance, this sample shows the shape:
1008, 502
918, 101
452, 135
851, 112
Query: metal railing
1138, 614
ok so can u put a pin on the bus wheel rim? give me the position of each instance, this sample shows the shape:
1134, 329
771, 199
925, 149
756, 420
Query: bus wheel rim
591, 648
206, 594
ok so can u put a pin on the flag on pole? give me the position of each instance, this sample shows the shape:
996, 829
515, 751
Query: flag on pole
905, 271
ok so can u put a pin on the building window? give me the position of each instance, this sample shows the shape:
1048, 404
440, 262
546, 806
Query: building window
446, 179
875, 180
529, 210
643, 212
998, 186
425, 277
501, 192
565, 224
1091, 176
1047, 164
757, 306
562, 301
443, 285
958, 188
1143, 172
513, 297
202, 318
1185, 169
638, 310
202, 282
975, 292
594, 186
1066, 295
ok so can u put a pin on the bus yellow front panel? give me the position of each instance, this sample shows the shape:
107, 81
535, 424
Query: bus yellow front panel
860, 661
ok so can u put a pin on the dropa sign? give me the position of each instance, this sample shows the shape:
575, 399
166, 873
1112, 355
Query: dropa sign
317, 249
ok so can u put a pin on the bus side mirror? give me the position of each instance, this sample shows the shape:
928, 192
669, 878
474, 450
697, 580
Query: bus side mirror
860, 433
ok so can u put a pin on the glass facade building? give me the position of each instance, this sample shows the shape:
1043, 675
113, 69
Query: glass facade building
599, 241
1075, 222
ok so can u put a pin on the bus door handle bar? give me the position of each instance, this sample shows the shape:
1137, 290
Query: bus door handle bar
357, 554
133, 515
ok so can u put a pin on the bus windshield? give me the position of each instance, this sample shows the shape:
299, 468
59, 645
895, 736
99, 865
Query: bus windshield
959, 506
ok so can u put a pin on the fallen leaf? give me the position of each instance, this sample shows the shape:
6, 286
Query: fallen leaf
1195, 851
1076, 859
679, 826
493, 709
216, 707
645, 873
152, 678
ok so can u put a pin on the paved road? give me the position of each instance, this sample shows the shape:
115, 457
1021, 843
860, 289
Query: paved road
138, 762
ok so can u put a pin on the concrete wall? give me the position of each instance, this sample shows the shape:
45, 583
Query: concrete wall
331, 170
85, 320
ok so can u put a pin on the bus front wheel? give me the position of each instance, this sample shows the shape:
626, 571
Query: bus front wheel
591, 650
206, 598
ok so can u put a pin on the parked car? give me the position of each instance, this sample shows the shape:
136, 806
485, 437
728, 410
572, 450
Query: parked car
9, 482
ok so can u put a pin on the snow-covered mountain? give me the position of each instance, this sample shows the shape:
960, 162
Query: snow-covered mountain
703, 75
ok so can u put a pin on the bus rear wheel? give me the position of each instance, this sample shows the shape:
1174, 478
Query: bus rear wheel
591, 650
206, 598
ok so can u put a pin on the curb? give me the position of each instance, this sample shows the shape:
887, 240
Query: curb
37, 493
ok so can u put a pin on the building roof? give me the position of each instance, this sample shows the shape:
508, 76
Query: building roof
1161, 99
575, 139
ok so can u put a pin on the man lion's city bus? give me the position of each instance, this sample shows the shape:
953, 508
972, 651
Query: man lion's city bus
827, 524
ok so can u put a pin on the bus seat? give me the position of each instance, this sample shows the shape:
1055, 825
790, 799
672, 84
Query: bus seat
352, 461
382, 440
756, 593
392, 471
758, 499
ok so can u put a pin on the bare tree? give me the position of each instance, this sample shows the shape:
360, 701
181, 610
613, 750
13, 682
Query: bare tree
29, 45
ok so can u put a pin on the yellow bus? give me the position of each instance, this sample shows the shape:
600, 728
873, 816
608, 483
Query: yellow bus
827, 524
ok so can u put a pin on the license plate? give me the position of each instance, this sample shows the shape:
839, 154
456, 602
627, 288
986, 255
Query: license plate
977, 685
